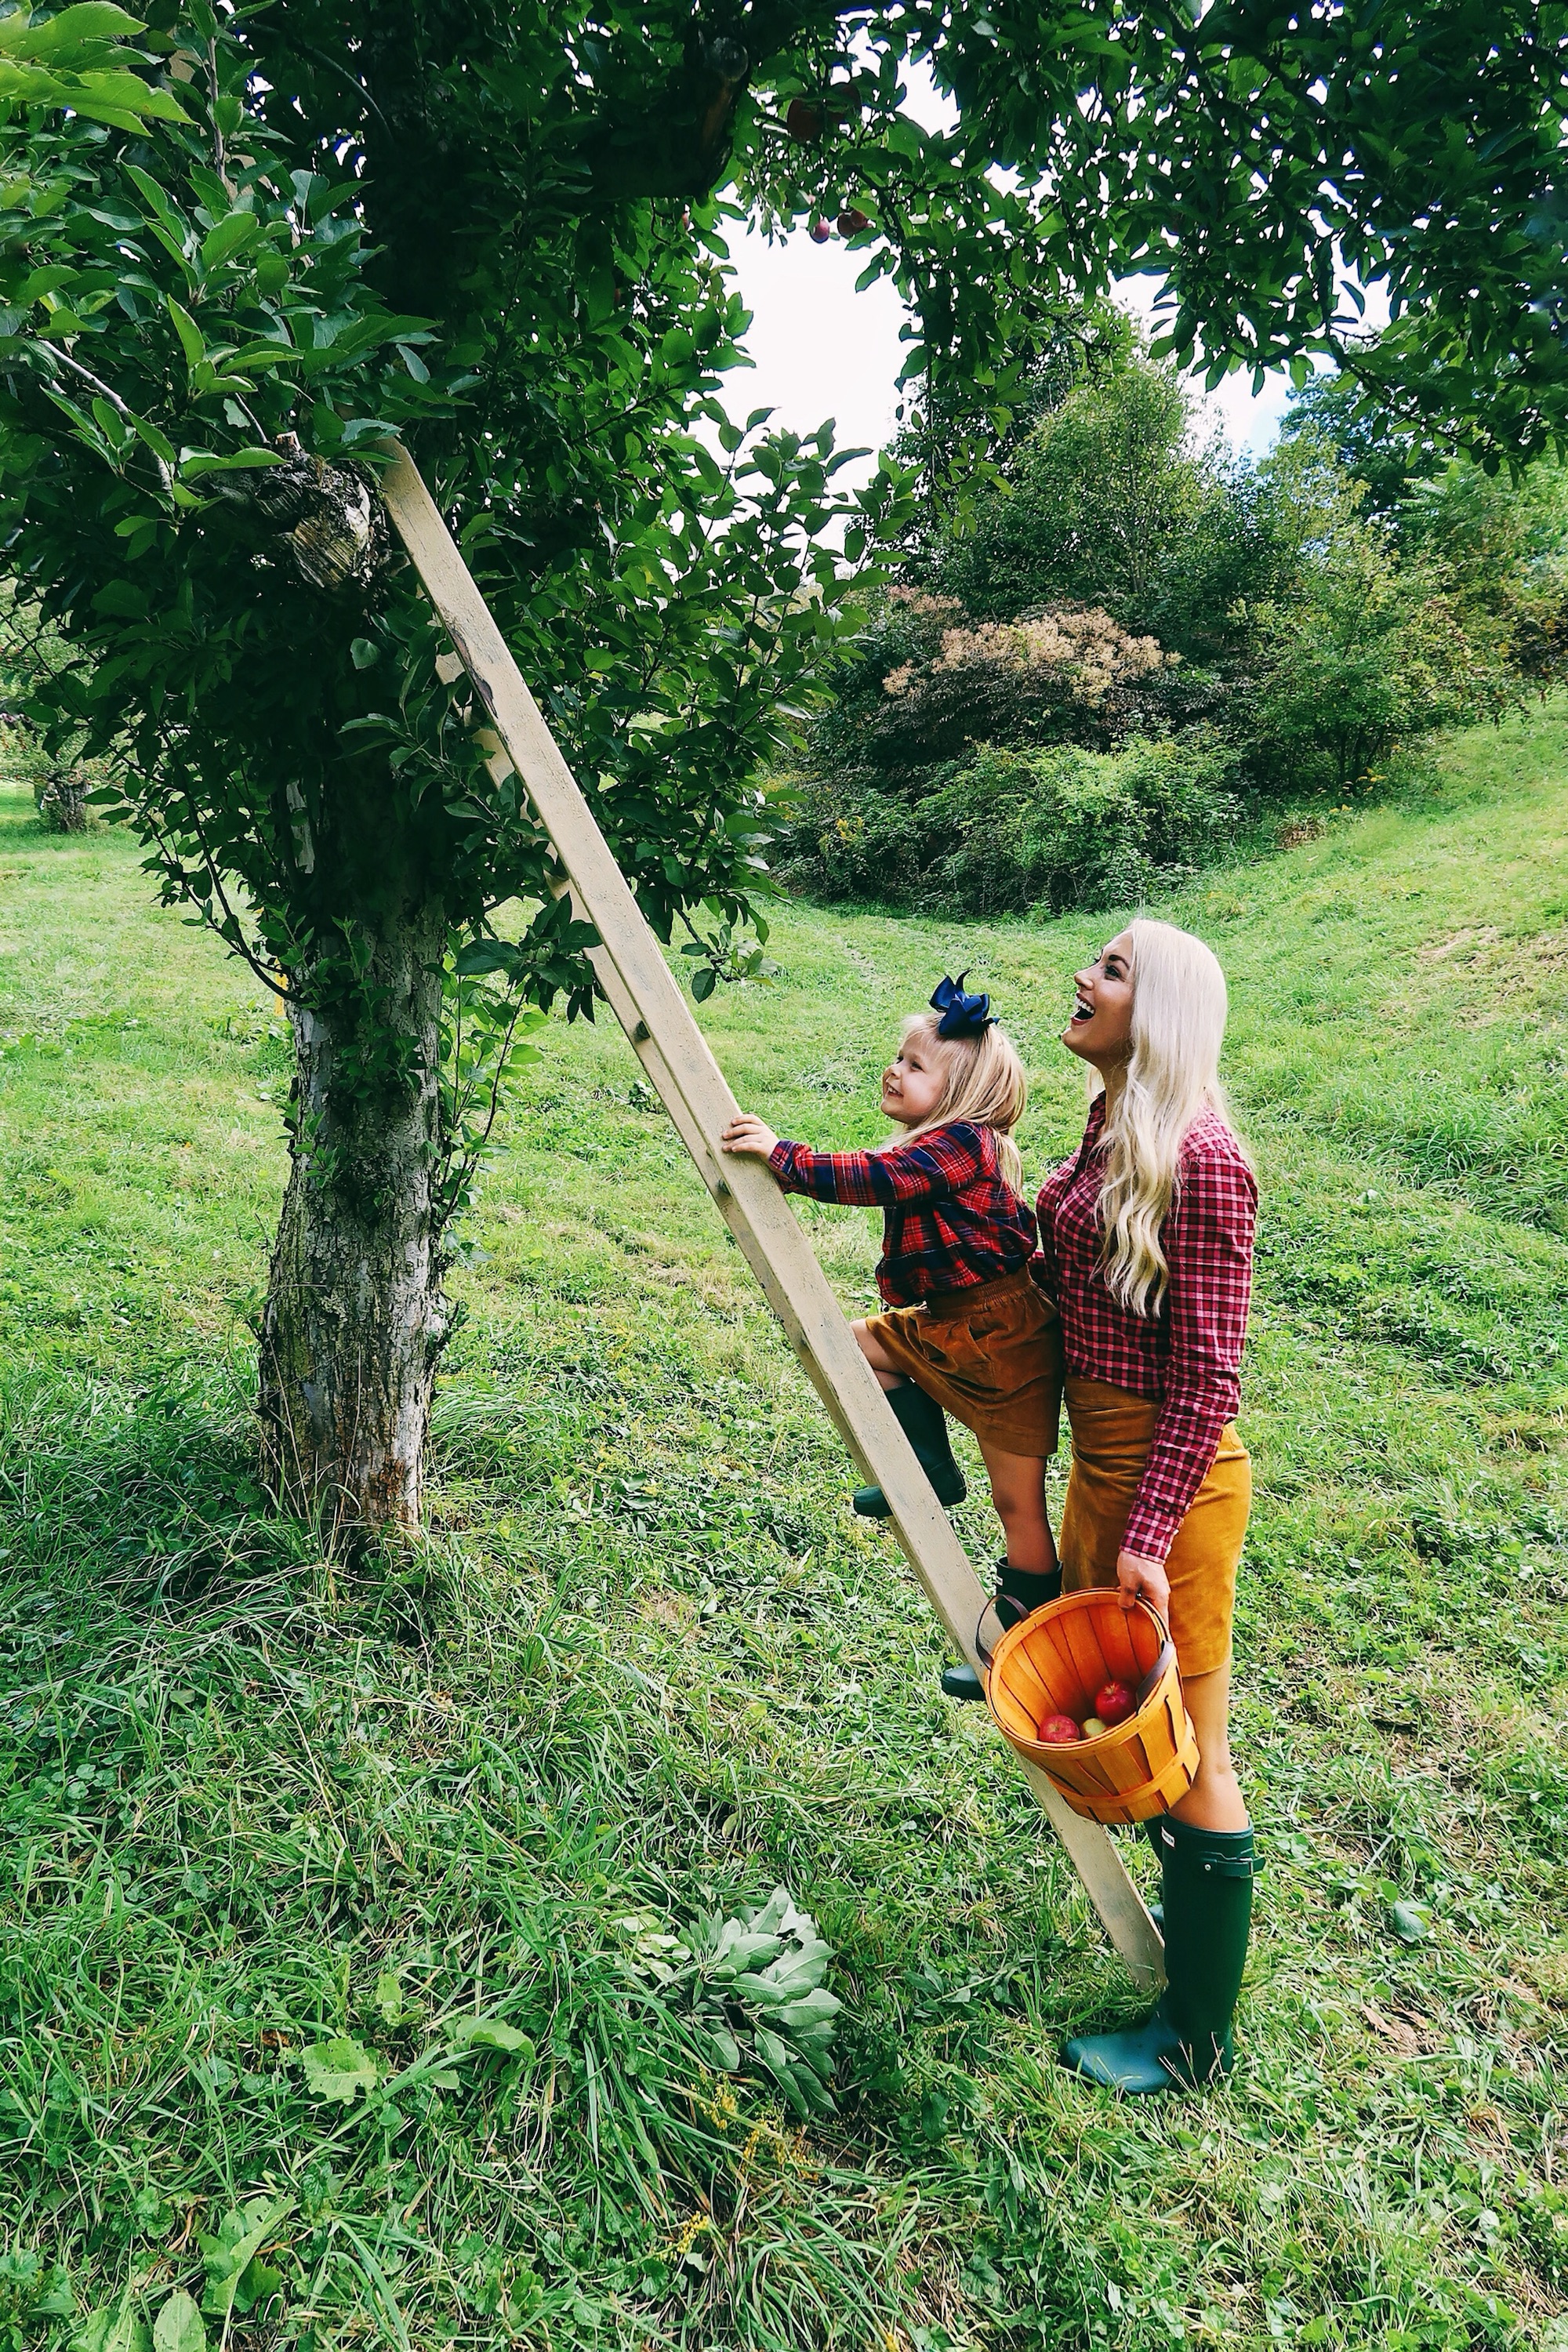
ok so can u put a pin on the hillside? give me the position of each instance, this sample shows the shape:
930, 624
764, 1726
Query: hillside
647, 1666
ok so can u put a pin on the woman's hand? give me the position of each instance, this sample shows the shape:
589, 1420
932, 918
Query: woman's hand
748, 1136
1146, 1578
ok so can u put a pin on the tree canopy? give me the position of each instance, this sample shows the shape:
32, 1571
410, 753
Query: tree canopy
239, 247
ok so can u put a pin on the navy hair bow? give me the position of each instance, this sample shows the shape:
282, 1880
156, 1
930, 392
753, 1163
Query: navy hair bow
962, 1015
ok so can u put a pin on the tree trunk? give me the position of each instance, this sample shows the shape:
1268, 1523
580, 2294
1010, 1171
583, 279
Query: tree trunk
355, 1314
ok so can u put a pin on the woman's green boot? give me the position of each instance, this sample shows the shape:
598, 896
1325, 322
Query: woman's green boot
1186, 2040
1030, 1592
924, 1423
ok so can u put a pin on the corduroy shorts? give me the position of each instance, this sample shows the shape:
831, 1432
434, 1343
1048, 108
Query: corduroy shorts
991, 1356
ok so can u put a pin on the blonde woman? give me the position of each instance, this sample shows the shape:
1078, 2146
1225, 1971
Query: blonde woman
966, 1330
1146, 1245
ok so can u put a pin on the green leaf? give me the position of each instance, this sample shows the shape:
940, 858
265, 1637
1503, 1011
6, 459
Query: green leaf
122, 599
491, 2033
1408, 1923
189, 333
365, 653
704, 983
339, 2069
234, 2279
179, 2327
113, 2327
197, 462
231, 235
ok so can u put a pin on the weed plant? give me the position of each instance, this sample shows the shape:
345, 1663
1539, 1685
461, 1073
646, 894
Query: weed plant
348, 1914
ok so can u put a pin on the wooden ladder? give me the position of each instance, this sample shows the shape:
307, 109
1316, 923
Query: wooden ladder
650, 1007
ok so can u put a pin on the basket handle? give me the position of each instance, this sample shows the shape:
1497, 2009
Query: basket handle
1167, 1657
1000, 1602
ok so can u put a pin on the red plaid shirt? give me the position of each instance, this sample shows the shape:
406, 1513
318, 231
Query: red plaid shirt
951, 1219
1189, 1356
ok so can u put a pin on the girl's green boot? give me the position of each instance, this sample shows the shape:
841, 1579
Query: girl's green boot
1186, 2040
924, 1423
1029, 1592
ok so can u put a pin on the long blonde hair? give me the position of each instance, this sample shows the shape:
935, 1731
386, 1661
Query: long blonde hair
985, 1087
1172, 1076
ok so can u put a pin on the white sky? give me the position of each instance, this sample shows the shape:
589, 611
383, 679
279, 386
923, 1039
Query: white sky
821, 350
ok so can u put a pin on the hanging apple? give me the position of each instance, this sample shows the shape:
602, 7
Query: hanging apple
802, 122
820, 232
852, 220
1114, 1704
1057, 1730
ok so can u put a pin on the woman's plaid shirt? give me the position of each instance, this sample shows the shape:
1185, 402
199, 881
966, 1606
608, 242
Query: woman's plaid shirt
951, 1220
1189, 1356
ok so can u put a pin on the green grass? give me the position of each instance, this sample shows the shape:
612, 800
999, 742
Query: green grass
646, 1666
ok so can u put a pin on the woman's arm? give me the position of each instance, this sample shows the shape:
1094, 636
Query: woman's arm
941, 1163
1207, 1240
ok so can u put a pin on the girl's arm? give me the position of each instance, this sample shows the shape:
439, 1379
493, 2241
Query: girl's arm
1208, 1244
941, 1163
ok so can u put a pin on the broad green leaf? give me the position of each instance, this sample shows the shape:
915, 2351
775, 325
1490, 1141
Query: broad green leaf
339, 2069
179, 2326
231, 2253
123, 599
189, 333
491, 2033
113, 2327
206, 461
230, 237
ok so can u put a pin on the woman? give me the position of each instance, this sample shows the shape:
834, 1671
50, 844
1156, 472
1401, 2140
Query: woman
1146, 1244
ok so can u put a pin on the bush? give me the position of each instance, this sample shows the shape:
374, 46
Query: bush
1014, 830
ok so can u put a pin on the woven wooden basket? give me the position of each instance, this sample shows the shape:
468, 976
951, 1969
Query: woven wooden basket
1054, 1661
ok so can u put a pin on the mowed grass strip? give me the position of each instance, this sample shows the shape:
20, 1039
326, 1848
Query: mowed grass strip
647, 1666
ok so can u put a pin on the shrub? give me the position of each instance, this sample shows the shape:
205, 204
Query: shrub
1013, 830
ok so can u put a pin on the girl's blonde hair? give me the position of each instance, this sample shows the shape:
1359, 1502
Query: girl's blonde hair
985, 1087
1179, 1007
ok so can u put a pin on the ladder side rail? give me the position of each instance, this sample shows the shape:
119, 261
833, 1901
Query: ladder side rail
651, 1008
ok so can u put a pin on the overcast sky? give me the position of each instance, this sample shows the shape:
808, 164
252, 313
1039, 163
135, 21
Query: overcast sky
821, 350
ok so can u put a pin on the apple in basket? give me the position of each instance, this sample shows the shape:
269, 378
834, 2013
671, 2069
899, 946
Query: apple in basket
1057, 1730
1114, 1704
1092, 1729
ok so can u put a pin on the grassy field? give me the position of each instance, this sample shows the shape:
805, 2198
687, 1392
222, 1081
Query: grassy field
646, 1666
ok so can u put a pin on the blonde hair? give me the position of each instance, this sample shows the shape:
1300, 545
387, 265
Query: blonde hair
985, 1087
1179, 1006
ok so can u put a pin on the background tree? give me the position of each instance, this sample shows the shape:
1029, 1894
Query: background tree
498, 231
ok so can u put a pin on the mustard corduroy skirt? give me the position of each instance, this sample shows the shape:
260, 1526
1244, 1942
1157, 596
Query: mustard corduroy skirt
1111, 1434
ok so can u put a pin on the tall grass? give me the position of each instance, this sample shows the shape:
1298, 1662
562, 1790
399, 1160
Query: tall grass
646, 1666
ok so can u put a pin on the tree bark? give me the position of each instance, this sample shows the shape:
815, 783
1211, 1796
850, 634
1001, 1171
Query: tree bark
355, 1315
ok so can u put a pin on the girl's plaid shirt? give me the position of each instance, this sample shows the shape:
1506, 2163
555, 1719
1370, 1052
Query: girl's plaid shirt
951, 1220
1189, 1356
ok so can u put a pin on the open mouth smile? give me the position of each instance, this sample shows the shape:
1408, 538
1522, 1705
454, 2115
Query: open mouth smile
1083, 1010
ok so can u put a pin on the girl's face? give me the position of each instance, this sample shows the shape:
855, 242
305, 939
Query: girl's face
1100, 1030
913, 1081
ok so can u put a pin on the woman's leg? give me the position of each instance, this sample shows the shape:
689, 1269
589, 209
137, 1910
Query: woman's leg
1018, 1492
1214, 1801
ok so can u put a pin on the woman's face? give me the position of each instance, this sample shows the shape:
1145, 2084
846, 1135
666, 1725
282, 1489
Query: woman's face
912, 1081
1100, 1030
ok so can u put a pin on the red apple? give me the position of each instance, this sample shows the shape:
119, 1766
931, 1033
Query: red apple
821, 231
1114, 1704
1057, 1730
852, 220
1092, 1729
802, 122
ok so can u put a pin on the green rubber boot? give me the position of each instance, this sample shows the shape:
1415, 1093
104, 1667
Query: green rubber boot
1186, 2042
1031, 1593
924, 1423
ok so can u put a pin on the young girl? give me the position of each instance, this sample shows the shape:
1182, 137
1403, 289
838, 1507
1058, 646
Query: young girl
965, 1327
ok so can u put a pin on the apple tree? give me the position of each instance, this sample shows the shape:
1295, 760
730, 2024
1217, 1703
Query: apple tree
274, 235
